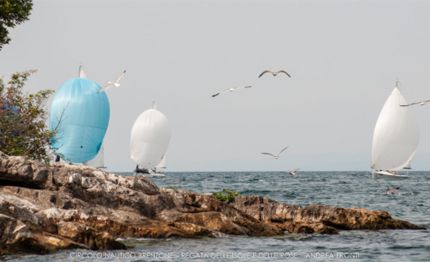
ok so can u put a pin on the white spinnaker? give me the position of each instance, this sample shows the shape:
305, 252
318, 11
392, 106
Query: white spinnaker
162, 164
150, 138
99, 160
396, 134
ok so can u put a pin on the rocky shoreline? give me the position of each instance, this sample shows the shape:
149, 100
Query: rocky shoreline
44, 208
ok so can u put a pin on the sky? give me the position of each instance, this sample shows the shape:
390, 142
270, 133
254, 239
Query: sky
343, 57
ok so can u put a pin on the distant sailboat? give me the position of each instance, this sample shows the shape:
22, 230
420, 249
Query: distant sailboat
395, 139
98, 161
149, 140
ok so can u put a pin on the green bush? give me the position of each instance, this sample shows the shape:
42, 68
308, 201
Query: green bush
23, 118
226, 195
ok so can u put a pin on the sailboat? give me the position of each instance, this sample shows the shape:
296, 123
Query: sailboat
395, 139
80, 116
150, 137
98, 160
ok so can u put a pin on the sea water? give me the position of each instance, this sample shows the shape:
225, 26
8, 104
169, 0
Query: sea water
341, 189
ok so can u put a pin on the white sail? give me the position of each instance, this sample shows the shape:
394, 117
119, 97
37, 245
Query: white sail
396, 134
98, 161
150, 138
81, 73
162, 164
408, 165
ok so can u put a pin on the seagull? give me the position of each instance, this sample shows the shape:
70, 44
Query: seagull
418, 103
113, 83
276, 157
274, 73
231, 89
293, 173
391, 191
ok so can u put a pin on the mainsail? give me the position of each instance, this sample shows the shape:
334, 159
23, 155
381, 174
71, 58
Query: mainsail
162, 164
150, 138
81, 73
80, 115
396, 134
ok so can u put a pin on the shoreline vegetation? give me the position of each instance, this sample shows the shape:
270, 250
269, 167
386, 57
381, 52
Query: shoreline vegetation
45, 208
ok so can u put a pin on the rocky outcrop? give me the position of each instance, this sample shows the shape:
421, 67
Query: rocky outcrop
317, 218
45, 208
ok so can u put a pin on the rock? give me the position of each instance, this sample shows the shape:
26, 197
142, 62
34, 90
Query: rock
88, 236
317, 218
44, 208
16, 237
194, 230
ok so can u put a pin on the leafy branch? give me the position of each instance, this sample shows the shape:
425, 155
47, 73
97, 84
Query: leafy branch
226, 195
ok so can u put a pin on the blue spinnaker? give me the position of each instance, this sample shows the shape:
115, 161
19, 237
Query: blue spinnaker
83, 115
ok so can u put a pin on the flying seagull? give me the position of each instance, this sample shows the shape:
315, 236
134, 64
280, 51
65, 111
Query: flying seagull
417, 103
231, 89
113, 83
391, 191
276, 157
274, 73
293, 173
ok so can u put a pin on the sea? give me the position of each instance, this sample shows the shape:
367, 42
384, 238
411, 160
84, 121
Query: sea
341, 189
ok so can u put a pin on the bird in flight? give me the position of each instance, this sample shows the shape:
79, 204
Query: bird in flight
231, 89
274, 73
276, 157
417, 103
293, 173
113, 83
391, 191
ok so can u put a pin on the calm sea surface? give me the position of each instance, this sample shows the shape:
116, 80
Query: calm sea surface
342, 189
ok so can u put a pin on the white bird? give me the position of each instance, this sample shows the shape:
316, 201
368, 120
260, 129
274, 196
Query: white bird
231, 90
276, 157
417, 103
293, 173
274, 73
391, 191
113, 83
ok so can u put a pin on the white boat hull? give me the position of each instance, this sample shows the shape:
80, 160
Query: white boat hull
149, 175
386, 175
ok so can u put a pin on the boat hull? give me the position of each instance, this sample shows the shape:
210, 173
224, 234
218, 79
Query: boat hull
149, 175
387, 175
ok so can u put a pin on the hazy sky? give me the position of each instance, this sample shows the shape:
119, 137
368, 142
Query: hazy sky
343, 56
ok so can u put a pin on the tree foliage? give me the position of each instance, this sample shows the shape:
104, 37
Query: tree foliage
23, 130
12, 13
